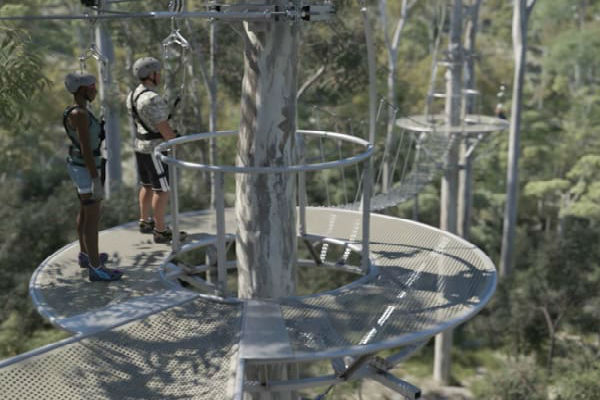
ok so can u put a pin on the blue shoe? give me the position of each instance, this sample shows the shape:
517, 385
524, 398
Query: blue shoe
104, 274
84, 260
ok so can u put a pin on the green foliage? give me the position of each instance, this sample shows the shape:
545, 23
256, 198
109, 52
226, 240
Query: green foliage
579, 385
546, 188
559, 209
21, 76
518, 380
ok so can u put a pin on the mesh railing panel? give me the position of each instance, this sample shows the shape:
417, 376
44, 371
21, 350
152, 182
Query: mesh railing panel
185, 352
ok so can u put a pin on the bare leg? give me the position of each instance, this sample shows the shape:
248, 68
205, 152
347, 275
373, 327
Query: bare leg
80, 223
91, 218
159, 206
145, 200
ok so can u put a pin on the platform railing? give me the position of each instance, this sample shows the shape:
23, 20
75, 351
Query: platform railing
167, 152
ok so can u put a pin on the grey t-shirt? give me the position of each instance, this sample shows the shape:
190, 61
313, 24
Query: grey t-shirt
152, 109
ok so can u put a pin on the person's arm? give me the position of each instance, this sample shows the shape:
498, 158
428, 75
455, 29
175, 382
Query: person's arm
80, 121
165, 130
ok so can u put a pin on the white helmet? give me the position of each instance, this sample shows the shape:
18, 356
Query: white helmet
74, 80
144, 66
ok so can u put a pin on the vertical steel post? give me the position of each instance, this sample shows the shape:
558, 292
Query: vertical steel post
301, 184
174, 194
220, 215
109, 109
366, 216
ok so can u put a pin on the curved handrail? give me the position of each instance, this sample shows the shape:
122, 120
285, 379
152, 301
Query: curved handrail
264, 170
220, 170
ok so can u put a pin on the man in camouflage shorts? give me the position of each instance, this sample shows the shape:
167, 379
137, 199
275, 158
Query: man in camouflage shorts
150, 114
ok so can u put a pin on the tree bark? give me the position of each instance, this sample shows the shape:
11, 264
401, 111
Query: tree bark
521, 12
449, 195
392, 45
265, 203
265, 208
465, 192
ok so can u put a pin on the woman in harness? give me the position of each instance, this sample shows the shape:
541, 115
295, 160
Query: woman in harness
85, 166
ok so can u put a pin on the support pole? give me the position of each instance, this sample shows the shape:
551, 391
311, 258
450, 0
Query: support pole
443, 341
108, 99
174, 199
220, 216
212, 119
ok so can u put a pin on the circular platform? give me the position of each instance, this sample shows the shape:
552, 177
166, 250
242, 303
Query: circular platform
426, 281
423, 265
472, 124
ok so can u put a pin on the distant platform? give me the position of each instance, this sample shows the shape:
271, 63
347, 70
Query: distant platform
144, 338
473, 124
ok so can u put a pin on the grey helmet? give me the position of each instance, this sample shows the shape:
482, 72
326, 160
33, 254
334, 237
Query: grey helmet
144, 66
74, 80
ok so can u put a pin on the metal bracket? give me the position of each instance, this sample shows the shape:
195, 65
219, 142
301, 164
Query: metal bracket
320, 12
312, 251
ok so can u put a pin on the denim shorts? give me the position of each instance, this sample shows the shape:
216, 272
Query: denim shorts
81, 177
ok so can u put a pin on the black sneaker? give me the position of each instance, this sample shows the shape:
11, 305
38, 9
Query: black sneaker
147, 226
166, 236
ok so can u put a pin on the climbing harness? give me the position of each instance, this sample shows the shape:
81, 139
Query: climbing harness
150, 133
75, 146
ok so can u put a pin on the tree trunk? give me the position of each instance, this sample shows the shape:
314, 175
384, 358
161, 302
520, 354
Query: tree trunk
265, 206
392, 50
265, 203
465, 192
448, 203
521, 11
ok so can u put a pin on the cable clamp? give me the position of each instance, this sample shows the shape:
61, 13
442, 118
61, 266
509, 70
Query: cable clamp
317, 12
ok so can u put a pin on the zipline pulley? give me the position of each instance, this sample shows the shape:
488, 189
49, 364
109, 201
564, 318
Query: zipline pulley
175, 46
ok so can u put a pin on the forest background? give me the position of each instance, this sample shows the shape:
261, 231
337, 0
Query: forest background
539, 337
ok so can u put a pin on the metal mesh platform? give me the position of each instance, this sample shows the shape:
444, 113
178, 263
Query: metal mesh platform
173, 343
185, 352
63, 294
428, 281
472, 124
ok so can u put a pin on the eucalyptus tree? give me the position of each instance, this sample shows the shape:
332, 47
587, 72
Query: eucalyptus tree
265, 203
392, 43
521, 12
465, 194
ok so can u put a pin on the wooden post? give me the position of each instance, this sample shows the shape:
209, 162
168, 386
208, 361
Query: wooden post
448, 203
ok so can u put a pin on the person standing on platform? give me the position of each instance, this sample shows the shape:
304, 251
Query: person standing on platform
86, 168
151, 116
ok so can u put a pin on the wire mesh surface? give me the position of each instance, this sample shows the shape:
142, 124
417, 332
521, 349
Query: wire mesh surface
186, 352
429, 281
61, 288
473, 124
